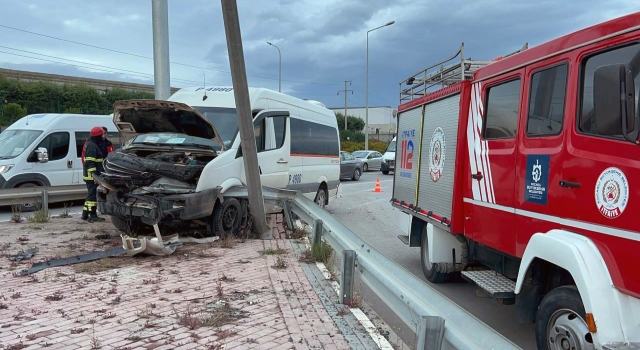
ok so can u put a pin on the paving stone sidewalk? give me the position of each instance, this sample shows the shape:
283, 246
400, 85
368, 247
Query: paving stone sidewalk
234, 294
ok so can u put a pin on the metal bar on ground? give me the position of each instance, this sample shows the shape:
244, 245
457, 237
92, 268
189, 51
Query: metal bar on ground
243, 111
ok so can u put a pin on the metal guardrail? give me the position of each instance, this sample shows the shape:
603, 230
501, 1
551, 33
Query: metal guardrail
424, 309
44, 195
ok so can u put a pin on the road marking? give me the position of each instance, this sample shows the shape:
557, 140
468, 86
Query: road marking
364, 320
366, 203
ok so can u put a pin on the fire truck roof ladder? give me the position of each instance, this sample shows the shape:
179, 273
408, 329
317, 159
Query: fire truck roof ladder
439, 74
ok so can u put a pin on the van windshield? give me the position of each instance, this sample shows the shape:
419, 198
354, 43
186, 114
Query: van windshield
225, 121
392, 147
14, 142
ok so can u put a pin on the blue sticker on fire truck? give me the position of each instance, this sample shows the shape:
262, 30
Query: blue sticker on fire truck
407, 149
537, 179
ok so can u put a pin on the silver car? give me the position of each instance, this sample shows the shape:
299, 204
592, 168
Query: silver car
372, 159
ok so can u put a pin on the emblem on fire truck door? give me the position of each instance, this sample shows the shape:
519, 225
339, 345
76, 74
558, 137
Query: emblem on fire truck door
436, 154
612, 193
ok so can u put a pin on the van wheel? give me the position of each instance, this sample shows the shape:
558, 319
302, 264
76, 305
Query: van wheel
321, 197
227, 218
386, 172
27, 207
431, 271
356, 175
560, 321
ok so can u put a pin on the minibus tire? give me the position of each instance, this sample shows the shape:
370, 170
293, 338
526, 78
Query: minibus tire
224, 221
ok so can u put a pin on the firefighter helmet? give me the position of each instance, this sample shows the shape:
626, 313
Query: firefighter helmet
96, 131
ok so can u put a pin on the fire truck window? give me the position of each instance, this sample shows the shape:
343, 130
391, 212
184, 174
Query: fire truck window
630, 55
502, 106
546, 101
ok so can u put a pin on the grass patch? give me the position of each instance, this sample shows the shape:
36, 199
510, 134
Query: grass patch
321, 252
228, 242
40, 215
214, 315
16, 214
281, 263
65, 213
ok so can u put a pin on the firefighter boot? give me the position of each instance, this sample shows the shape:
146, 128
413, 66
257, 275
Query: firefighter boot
85, 214
93, 216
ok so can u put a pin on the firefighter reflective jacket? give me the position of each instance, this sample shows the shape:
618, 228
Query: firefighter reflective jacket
106, 147
92, 160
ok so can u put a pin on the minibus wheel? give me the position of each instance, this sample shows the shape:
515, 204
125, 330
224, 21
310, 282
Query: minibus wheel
227, 217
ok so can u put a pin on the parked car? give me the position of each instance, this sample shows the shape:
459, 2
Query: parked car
350, 166
372, 159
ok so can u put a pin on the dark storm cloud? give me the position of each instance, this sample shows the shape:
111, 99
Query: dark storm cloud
323, 43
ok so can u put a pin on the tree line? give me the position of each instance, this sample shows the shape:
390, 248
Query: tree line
18, 99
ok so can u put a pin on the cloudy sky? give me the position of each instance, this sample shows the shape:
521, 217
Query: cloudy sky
323, 42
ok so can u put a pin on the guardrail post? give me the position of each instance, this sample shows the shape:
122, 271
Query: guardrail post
286, 206
317, 231
45, 200
430, 333
347, 276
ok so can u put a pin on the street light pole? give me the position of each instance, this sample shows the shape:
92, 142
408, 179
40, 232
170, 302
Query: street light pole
366, 118
280, 67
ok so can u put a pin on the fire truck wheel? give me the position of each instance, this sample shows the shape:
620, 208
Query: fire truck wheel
431, 271
560, 321
386, 172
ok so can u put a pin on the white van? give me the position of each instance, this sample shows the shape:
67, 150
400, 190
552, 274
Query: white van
389, 158
180, 156
46, 150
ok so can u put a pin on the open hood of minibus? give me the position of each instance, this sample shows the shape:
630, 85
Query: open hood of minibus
137, 117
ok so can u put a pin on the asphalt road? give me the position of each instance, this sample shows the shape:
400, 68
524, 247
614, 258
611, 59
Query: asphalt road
371, 216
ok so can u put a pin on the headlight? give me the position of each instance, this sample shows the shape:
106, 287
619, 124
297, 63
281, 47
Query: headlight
5, 168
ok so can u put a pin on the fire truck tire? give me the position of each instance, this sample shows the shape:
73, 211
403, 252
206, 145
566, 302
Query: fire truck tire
431, 271
560, 321
386, 172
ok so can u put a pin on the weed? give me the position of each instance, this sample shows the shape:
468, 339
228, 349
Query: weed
147, 312
16, 214
342, 311
227, 242
16, 346
113, 290
65, 212
78, 330
30, 336
307, 257
281, 263
173, 272
251, 341
271, 251
23, 239
149, 324
226, 279
109, 315
40, 215
133, 338
356, 300
219, 289
56, 296
3, 306
321, 252
16, 295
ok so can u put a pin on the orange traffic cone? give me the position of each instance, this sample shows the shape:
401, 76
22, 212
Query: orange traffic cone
377, 189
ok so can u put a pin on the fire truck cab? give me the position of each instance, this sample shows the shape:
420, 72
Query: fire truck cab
522, 175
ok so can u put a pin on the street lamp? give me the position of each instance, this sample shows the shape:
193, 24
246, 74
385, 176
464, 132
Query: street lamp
280, 67
366, 121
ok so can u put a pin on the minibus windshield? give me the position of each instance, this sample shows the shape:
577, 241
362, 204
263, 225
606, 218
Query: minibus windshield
225, 121
14, 142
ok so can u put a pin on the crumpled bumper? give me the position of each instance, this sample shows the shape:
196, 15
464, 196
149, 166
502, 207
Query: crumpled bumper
152, 210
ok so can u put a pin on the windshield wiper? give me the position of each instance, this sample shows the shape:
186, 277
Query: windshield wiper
197, 145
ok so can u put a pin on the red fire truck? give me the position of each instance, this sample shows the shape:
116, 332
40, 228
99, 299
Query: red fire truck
522, 175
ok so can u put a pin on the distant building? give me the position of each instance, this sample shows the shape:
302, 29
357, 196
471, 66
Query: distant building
382, 120
98, 84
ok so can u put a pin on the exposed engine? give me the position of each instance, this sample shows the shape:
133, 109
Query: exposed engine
155, 172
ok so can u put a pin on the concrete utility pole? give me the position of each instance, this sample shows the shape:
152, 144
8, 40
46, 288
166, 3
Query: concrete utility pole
160, 21
245, 122
345, 101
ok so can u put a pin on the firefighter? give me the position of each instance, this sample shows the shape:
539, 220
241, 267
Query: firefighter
92, 165
106, 146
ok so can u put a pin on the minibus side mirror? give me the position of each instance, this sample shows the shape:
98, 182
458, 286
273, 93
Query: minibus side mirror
42, 155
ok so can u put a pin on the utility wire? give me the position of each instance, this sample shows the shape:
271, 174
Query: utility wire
109, 70
151, 58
